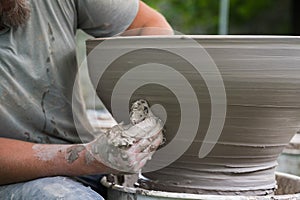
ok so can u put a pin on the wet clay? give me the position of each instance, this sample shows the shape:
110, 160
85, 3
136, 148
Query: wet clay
72, 153
262, 80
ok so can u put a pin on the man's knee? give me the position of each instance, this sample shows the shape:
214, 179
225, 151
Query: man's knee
50, 188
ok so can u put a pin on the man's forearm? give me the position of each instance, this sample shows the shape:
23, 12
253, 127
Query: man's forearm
23, 161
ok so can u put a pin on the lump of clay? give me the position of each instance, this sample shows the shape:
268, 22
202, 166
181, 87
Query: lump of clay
143, 124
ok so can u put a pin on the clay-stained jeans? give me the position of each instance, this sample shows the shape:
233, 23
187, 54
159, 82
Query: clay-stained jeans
48, 189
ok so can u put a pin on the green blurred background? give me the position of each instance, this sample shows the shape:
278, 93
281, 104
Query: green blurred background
245, 16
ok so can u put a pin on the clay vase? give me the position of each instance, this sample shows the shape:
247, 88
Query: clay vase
257, 97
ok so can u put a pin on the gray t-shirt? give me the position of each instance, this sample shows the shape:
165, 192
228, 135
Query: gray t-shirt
38, 66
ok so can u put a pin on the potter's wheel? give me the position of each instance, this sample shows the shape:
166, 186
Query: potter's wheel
288, 188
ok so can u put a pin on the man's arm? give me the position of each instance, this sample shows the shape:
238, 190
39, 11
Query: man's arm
149, 22
22, 161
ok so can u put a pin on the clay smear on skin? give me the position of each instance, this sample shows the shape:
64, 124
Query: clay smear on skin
45, 152
72, 153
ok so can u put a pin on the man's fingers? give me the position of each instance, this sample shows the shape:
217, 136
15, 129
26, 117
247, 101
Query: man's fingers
142, 152
145, 143
143, 162
140, 146
155, 144
145, 129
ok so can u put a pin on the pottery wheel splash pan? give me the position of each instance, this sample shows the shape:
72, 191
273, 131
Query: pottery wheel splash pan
256, 99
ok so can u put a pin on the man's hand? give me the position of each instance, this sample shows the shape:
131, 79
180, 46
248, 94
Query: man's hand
125, 160
128, 148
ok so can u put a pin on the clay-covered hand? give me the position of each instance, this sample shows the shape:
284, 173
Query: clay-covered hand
127, 148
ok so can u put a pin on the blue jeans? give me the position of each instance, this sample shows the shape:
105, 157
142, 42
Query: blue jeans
49, 189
